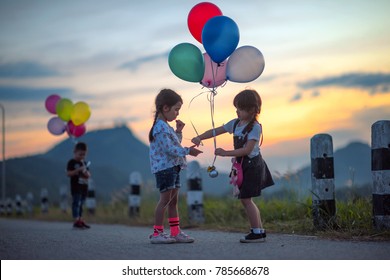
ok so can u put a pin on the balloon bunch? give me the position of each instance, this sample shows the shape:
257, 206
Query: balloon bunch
70, 117
222, 61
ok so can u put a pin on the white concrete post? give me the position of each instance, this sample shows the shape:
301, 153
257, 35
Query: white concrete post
322, 179
134, 199
194, 193
90, 201
64, 198
380, 167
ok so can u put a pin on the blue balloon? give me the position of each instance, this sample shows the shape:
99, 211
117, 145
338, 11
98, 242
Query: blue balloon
220, 36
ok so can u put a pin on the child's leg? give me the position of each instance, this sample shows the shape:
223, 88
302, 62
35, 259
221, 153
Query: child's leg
173, 213
159, 213
172, 206
76, 206
81, 205
174, 220
253, 212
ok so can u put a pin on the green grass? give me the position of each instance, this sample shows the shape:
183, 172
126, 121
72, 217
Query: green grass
353, 218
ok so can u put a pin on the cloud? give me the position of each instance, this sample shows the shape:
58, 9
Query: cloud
315, 93
133, 65
296, 97
26, 69
373, 82
30, 94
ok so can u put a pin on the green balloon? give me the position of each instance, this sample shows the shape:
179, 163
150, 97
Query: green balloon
64, 108
186, 62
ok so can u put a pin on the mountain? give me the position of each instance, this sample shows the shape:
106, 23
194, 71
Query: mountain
114, 153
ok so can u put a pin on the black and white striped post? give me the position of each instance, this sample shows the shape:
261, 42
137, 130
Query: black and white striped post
44, 200
2, 208
134, 200
90, 201
322, 180
9, 206
194, 193
380, 167
18, 205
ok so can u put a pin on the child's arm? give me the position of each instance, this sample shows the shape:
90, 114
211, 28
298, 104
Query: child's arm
74, 172
244, 151
208, 134
179, 127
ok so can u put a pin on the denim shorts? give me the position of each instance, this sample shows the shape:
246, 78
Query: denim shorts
168, 179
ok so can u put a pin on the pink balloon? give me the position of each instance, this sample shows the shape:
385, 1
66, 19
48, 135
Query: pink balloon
51, 102
75, 130
214, 74
56, 126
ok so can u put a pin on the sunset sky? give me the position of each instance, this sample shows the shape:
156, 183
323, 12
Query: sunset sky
327, 69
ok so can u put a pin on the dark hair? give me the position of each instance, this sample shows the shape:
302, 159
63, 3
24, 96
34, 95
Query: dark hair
166, 97
81, 146
248, 100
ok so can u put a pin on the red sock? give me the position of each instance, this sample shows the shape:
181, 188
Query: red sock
157, 230
174, 225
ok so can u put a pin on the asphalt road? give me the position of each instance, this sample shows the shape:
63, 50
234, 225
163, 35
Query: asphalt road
39, 240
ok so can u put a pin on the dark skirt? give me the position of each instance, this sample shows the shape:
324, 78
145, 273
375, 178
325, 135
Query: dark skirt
256, 177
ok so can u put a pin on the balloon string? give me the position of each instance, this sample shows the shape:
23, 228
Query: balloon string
212, 92
212, 107
192, 124
73, 139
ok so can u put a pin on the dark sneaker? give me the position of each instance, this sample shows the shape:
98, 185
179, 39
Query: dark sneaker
78, 225
253, 237
85, 225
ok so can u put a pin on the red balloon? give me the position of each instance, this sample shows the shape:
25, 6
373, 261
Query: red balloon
75, 130
199, 15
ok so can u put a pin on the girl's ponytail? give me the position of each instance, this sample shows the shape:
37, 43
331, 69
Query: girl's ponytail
151, 138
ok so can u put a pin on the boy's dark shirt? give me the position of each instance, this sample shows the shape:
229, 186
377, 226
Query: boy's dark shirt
79, 182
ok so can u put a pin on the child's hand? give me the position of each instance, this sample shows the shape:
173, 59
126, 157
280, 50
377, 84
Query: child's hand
179, 126
220, 152
196, 140
194, 151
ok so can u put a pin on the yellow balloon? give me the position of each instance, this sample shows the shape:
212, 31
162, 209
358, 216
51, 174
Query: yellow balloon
80, 113
63, 109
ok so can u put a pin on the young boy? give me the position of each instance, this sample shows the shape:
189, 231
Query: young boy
78, 172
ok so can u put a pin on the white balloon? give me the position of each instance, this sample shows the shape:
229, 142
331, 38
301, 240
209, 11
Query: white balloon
245, 65
56, 126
